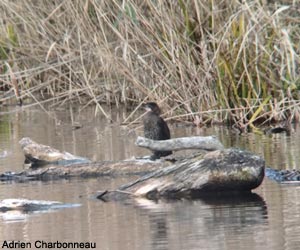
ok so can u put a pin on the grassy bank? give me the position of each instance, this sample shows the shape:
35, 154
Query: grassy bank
205, 60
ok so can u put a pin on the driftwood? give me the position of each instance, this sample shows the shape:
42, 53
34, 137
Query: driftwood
74, 168
38, 154
49, 163
208, 143
222, 171
86, 170
20, 209
26, 205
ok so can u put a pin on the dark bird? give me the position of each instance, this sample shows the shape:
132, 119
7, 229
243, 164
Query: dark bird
279, 129
155, 127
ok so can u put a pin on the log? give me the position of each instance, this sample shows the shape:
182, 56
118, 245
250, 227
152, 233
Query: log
209, 143
220, 172
225, 171
85, 170
49, 163
26, 205
38, 154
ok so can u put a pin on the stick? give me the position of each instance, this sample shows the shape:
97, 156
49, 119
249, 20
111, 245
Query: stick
208, 143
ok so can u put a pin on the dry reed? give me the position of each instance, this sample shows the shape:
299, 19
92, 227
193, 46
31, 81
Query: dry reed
203, 60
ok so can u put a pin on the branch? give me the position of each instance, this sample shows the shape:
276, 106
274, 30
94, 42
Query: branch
208, 143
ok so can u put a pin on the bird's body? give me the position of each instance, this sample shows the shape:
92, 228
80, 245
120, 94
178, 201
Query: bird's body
155, 128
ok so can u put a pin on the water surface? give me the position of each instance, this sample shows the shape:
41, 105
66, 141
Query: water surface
269, 218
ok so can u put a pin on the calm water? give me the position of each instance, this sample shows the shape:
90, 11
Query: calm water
268, 219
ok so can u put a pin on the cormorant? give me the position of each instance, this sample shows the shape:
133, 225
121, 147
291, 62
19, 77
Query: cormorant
155, 127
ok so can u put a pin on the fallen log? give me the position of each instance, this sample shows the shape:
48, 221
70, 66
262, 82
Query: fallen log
20, 209
86, 170
75, 167
222, 171
26, 205
49, 163
208, 143
38, 154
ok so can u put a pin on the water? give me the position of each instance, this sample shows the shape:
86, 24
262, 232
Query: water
269, 218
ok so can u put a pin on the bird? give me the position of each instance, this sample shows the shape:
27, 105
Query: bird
155, 128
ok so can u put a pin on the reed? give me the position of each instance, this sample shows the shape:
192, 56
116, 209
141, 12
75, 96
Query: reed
203, 60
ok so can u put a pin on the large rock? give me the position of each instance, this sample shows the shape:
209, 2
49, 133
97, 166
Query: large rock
219, 172
38, 154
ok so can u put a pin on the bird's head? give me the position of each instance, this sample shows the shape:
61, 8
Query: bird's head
151, 107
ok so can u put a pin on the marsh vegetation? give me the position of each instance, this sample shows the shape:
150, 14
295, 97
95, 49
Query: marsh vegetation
205, 61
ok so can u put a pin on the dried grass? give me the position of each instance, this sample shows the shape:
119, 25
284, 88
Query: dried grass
204, 61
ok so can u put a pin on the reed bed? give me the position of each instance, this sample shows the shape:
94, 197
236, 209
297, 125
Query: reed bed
204, 61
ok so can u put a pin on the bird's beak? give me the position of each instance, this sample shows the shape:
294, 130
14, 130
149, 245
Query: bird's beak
146, 107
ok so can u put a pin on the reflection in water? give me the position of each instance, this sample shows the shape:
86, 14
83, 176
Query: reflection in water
209, 216
159, 231
238, 214
269, 219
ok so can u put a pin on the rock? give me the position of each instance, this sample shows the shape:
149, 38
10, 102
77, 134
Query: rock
39, 154
31, 205
283, 176
218, 172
